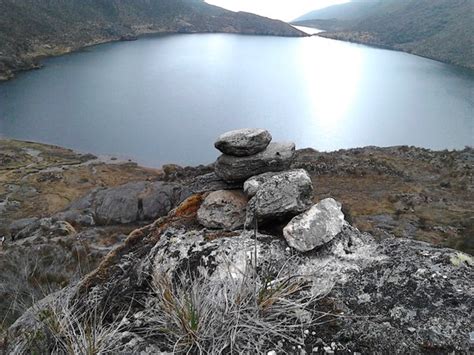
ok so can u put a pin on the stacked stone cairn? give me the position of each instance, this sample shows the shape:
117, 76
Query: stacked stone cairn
272, 192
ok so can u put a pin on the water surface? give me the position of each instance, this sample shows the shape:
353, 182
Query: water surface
165, 98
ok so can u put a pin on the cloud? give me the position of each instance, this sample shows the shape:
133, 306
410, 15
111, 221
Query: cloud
286, 10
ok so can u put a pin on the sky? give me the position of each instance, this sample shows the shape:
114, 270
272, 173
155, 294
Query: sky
285, 10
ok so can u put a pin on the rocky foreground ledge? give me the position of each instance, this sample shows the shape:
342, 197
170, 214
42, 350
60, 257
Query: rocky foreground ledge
268, 257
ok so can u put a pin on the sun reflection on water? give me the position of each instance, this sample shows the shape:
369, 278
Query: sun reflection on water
332, 75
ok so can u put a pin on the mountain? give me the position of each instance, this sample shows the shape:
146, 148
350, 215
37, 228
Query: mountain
31, 29
341, 12
437, 29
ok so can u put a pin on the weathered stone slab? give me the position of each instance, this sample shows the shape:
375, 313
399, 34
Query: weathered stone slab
277, 157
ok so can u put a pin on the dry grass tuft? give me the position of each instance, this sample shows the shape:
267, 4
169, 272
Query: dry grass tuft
82, 329
244, 314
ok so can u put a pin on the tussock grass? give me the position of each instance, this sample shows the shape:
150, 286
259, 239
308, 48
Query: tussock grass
82, 329
236, 314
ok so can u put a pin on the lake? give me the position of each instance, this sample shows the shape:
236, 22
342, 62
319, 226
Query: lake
165, 98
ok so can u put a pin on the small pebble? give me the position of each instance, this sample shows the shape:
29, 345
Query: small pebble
273, 352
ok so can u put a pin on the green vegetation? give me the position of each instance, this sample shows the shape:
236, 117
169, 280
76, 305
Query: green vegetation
438, 29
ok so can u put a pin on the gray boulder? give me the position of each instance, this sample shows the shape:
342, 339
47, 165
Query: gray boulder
223, 210
283, 195
132, 202
252, 185
315, 227
243, 142
277, 157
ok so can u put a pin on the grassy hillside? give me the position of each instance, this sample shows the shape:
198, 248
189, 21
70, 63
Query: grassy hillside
30, 29
438, 29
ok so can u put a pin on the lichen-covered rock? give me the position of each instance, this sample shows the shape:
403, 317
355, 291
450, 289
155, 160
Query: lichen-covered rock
223, 210
315, 227
252, 185
276, 157
243, 142
283, 195
396, 296
188, 252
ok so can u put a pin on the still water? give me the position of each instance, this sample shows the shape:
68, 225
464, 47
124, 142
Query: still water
165, 98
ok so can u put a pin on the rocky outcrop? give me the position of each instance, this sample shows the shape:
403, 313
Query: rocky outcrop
243, 142
276, 157
223, 210
283, 195
396, 296
332, 288
316, 227
130, 203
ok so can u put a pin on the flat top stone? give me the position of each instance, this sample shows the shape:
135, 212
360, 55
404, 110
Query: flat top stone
243, 142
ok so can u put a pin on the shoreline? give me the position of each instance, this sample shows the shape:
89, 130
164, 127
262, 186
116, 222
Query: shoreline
124, 159
35, 58
335, 37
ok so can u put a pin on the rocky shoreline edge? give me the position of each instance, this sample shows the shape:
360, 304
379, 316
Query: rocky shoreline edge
285, 224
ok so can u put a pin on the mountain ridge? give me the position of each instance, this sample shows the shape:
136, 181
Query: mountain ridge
31, 30
439, 30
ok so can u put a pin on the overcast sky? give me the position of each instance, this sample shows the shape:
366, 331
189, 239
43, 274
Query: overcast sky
286, 10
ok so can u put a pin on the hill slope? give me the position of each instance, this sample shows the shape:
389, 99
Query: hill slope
437, 29
340, 12
31, 29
